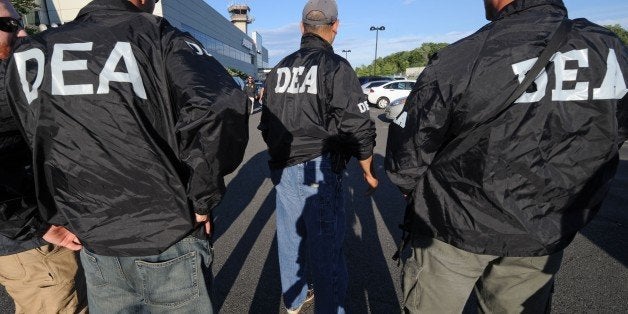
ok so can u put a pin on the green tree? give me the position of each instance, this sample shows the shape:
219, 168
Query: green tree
24, 6
620, 32
398, 62
236, 72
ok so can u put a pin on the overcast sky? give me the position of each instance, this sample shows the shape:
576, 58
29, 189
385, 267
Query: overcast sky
409, 23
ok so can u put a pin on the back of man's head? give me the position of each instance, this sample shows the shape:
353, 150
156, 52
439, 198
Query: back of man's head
147, 6
319, 16
493, 7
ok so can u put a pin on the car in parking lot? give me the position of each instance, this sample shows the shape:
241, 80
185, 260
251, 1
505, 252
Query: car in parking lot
382, 95
394, 108
367, 86
365, 79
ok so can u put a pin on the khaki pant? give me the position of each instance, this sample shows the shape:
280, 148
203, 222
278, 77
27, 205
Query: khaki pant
438, 278
42, 280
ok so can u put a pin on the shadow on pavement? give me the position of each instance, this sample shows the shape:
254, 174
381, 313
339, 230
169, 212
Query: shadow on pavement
608, 229
267, 297
371, 286
240, 192
382, 117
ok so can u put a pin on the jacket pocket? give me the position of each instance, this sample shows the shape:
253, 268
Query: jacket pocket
171, 283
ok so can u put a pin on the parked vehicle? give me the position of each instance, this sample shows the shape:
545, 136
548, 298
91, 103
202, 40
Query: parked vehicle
365, 79
366, 87
381, 95
394, 109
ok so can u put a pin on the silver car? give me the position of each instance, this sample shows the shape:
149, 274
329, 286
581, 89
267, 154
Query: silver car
393, 110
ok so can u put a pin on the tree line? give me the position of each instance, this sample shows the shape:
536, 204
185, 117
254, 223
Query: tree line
398, 62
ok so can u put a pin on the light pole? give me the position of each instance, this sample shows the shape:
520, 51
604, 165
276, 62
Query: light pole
346, 53
376, 29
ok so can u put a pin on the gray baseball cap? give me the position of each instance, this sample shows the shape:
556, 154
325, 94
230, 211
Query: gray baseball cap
328, 8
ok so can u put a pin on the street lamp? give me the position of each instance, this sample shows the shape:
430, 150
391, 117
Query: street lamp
376, 29
346, 53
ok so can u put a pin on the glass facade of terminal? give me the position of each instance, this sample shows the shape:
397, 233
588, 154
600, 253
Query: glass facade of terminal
229, 45
214, 46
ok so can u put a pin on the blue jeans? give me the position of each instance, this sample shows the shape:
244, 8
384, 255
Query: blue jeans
310, 234
175, 281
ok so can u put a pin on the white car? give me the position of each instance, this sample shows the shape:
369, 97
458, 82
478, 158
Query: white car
382, 95
366, 87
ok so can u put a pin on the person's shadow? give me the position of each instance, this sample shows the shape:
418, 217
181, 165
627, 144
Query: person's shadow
608, 229
372, 236
240, 193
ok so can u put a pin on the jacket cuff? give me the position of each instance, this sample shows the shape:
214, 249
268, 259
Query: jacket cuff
365, 152
204, 206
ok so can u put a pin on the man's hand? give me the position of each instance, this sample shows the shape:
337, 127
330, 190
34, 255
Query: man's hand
62, 237
369, 175
204, 219
372, 182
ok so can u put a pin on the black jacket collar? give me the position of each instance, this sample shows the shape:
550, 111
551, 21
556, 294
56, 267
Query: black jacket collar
118, 5
310, 40
522, 5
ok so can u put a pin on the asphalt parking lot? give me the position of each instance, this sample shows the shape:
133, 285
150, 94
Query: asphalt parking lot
593, 278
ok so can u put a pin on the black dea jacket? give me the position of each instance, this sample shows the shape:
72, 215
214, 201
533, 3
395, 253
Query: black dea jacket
132, 126
314, 104
541, 173
20, 222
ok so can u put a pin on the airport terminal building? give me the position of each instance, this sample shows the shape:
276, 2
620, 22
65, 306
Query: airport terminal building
227, 41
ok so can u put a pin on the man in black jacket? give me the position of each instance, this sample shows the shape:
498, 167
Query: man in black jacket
314, 118
40, 277
133, 126
250, 89
498, 207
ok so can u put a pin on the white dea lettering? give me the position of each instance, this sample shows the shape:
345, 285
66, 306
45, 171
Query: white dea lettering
20, 61
197, 49
401, 120
58, 66
121, 51
364, 107
292, 80
613, 86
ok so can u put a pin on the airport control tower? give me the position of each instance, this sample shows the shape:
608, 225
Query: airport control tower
240, 16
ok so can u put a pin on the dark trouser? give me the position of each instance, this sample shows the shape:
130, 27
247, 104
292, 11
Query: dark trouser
175, 281
438, 278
